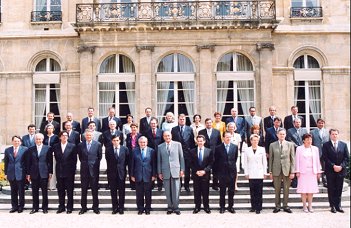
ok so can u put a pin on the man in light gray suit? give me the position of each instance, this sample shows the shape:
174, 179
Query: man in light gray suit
295, 134
170, 168
320, 135
251, 120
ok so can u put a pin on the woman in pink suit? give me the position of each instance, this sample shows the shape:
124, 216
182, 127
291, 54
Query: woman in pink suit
308, 171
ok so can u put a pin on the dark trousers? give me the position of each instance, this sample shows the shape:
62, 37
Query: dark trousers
117, 186
201, 188
93, 182
224, 184
335, 184
186, 172
143, 189
256, 189
17, 194
43, 184
324, 178
65, 184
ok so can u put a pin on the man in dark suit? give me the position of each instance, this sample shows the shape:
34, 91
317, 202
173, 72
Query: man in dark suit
111, 116
268, 121
336, 158
184, 134
28, 140
239, 122
225, 156
154, 137
213, 139
144, 124
90, 154
66, 160
289, 120
50, 120
143, 172
90, 117
271, 133
15, 171
75, 124
39, 171
106, 136
73, 136
117, 159
295, 134
201, 161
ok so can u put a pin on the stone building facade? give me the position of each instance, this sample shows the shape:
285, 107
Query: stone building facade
180, 56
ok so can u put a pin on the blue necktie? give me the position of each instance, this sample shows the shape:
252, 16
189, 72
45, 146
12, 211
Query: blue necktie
142, 154
200, 156
88, 146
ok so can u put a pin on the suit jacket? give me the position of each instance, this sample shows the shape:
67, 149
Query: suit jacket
295, 137
206, 164
268, 123
53, 140
74, 137
85, 122
240, 125
152, 141
75, 126
27, 142
317, 140
89, 160
15, 168
170, 163
255, 163
129, 142
39, 166
270, 137
225, 163
96, 136
282, 160
116, 165
65, 162
106, 137
105, 124
301, 163
289, 122
143, 169
186, 139
143, 125
250, 122
332, 157
212, 142
56, 126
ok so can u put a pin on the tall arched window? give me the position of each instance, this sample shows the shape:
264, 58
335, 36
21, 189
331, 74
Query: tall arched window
307, 92
117, 86
175, 86
235, 84
46, 80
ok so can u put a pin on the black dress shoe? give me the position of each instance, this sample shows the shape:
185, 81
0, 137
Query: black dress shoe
207, 210
147, 212
60, 211
114, 211
177, 212
339, 209
169, 212
187, 189
69, 212
140, 212
215, 188
231, 210
13, 210
258, 212
121, 211
252, 210
96, 211
288, 210
221, 211
332, 209
159, 189
33, 211
20, 210
82, 211
196, 210
276, 210
325, 185
45, 211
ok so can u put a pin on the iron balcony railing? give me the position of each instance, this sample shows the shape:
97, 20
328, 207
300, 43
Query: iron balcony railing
40, 16
187, 11
306, 12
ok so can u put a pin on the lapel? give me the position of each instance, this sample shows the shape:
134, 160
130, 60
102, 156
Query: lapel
66, 152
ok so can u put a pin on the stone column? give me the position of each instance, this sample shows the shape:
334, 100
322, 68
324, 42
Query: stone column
264, 81
206, 98
145, 93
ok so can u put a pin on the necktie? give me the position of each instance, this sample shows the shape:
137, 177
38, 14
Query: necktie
167, 147
143, 153
200, 156
49, 141
335, 146
281, 147
209, 133
88, 146
15, 152
154, 133
39, 150
227, 148
116, 153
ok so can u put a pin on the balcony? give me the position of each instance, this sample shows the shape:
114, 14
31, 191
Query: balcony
306, 12
45, 16
177, 15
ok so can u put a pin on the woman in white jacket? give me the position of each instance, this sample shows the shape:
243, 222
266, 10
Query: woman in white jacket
255, 171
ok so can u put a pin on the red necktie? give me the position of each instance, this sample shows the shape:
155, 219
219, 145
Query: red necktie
154, 133
15, 152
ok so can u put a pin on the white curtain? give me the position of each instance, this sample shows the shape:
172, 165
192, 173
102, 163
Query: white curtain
109, 65
40, 99
243, 63
57, 91
40, 5
162, 96
127, 64
315, 98
106, 95
189, 97
222, 91
166, 64
130, 86
245, 97
184, 64
225, 63
296, 92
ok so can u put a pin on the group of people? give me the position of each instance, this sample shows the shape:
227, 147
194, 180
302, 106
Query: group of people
175, 152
